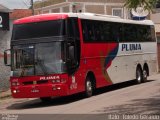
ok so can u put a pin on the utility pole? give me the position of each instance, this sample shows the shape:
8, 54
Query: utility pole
32, 8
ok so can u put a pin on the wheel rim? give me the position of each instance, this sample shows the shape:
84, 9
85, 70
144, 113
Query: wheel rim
144, 74
139, 78
89, 87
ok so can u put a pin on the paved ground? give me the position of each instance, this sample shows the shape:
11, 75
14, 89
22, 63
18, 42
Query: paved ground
5, 94
121, 99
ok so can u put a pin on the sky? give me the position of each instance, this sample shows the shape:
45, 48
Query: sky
16, 4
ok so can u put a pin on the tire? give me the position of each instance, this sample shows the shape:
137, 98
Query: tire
145, 75
88, 87
46, 99
139, 76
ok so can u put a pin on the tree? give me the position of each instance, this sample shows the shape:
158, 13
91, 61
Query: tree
146, 4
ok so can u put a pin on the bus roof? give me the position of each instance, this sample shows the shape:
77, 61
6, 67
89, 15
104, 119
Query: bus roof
91, 16
41, 17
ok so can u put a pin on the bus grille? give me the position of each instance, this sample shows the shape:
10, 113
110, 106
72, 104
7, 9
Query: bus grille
35, 82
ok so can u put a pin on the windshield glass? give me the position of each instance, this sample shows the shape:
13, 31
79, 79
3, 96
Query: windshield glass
39, 29
38, 59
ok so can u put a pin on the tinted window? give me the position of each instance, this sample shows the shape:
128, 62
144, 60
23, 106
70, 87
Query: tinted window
72, 27
153, 33
104, 31
88, 30
138, 33
39, 29
129, 32
101, 31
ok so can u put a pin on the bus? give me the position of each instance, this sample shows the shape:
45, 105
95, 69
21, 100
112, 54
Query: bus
61, 54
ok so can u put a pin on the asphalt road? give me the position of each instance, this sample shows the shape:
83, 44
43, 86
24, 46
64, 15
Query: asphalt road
121, 99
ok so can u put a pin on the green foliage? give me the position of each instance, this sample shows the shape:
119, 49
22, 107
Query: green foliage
147, 4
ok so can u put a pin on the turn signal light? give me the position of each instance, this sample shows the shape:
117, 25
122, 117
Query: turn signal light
56, 81
59, 81
56, 88
15, 83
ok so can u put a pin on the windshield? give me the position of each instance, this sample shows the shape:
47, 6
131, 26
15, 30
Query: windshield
38, 59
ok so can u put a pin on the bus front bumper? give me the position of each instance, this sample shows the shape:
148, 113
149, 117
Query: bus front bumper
37, 91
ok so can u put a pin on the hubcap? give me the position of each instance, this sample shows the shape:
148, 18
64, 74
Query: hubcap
89, 87
144, 74
138, 76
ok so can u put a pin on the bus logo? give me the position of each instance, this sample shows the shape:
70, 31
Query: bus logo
131, 47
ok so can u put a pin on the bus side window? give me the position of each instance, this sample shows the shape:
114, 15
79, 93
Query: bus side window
106, 32
116, 32
91, 30
72, 28
129, 33
85, 29
98, 31
152, 33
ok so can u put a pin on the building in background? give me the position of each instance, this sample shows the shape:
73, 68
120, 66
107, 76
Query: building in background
7, 17
20, 13
155, 16
5, 33
109, 7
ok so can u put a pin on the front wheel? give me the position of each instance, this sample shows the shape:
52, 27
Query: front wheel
88, 87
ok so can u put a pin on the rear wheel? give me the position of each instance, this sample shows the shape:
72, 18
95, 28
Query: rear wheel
88, 87
139, 76
145, 75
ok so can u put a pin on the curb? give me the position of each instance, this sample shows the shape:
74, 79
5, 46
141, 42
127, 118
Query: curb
5, 94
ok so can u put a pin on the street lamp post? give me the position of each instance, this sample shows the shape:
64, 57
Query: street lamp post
32, 8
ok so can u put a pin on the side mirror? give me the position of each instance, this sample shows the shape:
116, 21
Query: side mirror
7, 57
70, 56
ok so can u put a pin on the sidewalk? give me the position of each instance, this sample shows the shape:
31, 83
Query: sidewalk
5, 94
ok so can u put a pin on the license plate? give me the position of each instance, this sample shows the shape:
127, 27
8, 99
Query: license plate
34, 91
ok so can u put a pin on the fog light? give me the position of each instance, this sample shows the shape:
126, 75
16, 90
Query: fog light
58, 88
14, 91
53, 81
58, 81
54, 88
